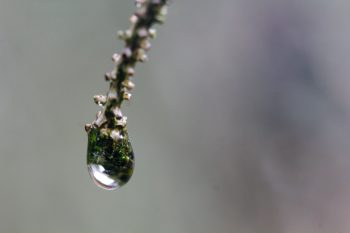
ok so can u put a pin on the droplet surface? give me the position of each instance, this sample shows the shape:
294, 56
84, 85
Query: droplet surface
110, 161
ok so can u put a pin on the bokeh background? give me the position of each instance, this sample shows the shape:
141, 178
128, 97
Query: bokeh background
239, 122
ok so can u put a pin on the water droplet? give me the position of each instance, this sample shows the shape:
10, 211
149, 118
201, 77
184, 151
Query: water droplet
110, 161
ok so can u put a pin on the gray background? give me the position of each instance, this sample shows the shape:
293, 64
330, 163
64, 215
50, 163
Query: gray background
239, 122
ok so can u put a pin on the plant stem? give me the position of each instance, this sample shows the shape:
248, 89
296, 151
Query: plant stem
137, 43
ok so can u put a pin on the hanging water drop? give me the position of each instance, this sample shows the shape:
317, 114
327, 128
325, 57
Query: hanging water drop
110, 160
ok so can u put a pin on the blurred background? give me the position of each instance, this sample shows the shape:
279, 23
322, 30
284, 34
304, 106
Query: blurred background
239, 121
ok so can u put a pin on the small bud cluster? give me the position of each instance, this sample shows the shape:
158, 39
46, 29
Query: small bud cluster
137, 44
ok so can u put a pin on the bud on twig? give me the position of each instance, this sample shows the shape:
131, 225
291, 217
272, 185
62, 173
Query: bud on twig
100, 100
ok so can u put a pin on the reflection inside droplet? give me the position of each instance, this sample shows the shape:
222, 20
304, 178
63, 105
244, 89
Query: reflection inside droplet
102, 179
110, 160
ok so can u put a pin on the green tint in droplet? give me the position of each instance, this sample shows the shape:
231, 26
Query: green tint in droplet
110, 162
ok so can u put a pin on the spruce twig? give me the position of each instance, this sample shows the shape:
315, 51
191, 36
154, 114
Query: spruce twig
110, 120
